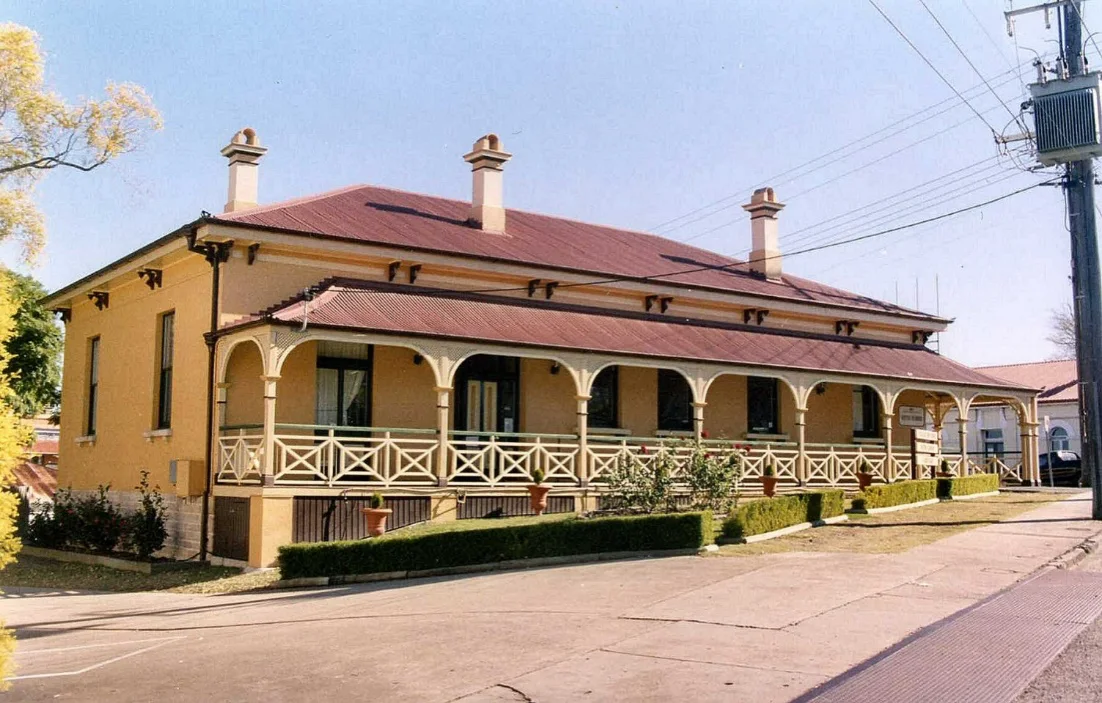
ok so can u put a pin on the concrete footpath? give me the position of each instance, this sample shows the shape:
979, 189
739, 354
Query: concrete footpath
766, 628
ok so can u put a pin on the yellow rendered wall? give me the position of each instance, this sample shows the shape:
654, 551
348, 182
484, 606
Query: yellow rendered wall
245, 394
830, 415
639, 400
548, 403
249, 289
900, 434
296, 395
725, 414
404, 393
128, 331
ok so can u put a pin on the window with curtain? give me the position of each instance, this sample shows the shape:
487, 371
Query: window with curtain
993, 444
675, 402
866, 412
604, 399
1059, 439
164, 376
763, 406
93, 384
343, 391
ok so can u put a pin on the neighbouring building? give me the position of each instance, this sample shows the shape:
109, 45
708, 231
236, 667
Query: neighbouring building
996, 428
288, 359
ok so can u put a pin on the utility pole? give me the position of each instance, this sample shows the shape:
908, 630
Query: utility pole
1086, 283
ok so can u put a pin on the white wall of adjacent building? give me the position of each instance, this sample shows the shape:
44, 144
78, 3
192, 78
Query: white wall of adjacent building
994, 430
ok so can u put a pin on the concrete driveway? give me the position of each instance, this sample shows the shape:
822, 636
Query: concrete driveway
764, 628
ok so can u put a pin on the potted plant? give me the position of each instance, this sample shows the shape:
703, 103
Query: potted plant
376, 515
864, 475
769, 478
537, 492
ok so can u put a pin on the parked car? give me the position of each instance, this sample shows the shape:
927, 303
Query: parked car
1066, 468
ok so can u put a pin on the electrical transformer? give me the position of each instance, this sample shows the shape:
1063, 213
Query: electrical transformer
1066, 119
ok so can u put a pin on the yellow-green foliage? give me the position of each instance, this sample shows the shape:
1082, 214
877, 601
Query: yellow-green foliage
761, 516
891, 494
13, 437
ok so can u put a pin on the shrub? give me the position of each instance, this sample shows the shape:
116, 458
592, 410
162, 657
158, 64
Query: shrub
642, 484
760, 516
434, 550
713, 476
101, 523
967, 485
376, 501
900, 493
146, 531
538, 476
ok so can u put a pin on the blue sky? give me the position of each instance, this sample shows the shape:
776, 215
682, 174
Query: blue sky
623, 114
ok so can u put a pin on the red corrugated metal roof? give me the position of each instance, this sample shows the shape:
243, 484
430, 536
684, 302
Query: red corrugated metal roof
1058, 380
391, 217
45, 446
39, 480
447, 314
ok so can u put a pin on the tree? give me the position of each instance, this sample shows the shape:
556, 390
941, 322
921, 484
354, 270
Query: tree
40, 132
1062, 332
34, 350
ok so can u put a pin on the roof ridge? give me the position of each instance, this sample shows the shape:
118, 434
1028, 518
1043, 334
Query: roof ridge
1025, 363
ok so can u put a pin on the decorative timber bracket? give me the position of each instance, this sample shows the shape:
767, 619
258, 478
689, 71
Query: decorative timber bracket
100, 298
549, 289
533, 285
753, 316
253, 248
414, 271
152, 277
392, 270
663, 302
920, 336
845, 327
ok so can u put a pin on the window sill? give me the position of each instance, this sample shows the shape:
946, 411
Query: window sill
868, 440
766, 437
154, 434
86, 439
684, 434
617, 431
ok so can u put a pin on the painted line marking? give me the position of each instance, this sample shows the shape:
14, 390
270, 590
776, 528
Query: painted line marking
90, 646
159, 643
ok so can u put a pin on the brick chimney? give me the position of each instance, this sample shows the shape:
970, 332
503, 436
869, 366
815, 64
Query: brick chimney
487, 206
765, 256
244, 152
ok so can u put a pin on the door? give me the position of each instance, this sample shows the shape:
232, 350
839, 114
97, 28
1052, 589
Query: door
482, 406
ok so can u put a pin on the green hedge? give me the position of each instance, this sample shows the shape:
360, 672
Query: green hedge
902, 493
967, 485
760, 516
436, 550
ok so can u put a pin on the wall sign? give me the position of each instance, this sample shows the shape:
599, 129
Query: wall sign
912, 416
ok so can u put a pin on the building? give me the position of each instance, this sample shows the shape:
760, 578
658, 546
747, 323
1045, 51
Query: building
997, 433
439, 351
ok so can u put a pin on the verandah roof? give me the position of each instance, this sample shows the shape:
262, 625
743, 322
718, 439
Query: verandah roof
394, 309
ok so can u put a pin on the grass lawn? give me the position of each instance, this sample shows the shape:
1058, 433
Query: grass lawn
33, 572
899, 531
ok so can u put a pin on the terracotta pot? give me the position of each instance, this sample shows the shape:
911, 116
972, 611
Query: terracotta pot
376, 520
537, 496
864, 480
769, 485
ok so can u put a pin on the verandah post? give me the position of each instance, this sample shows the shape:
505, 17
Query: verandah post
443, 406
962, 432
801, 446
889, 461
581, 465
698, 419
268, 466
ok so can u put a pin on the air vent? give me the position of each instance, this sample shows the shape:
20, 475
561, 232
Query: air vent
1066, 119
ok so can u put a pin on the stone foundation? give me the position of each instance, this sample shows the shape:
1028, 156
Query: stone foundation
183, 517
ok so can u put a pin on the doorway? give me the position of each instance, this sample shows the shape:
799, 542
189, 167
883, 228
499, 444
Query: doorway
488, 394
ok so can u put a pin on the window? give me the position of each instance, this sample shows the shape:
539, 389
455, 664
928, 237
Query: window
675, 402
164, 372
993, 442
93, 384
344, 384
604, 399
866, 412
1058, 439
762, 406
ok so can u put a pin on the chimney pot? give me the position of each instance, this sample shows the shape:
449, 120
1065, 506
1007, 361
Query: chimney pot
244, 153
765, 255
487, 203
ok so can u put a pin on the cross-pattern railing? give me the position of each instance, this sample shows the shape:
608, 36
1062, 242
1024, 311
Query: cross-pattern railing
240, 456
493, 459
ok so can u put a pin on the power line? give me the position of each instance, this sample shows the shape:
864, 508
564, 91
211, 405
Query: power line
932, 66
991, 39
964, 55
740, 192
727, 267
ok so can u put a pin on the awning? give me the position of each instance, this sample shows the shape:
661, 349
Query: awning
405, 310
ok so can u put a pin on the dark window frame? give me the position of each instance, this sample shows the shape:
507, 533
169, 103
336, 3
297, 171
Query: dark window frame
343, 364
763, 399
870, 414
606, 416
675, 402
93, 386
166, 346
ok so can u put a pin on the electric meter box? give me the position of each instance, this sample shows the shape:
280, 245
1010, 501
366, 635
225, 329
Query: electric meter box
1066, 119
